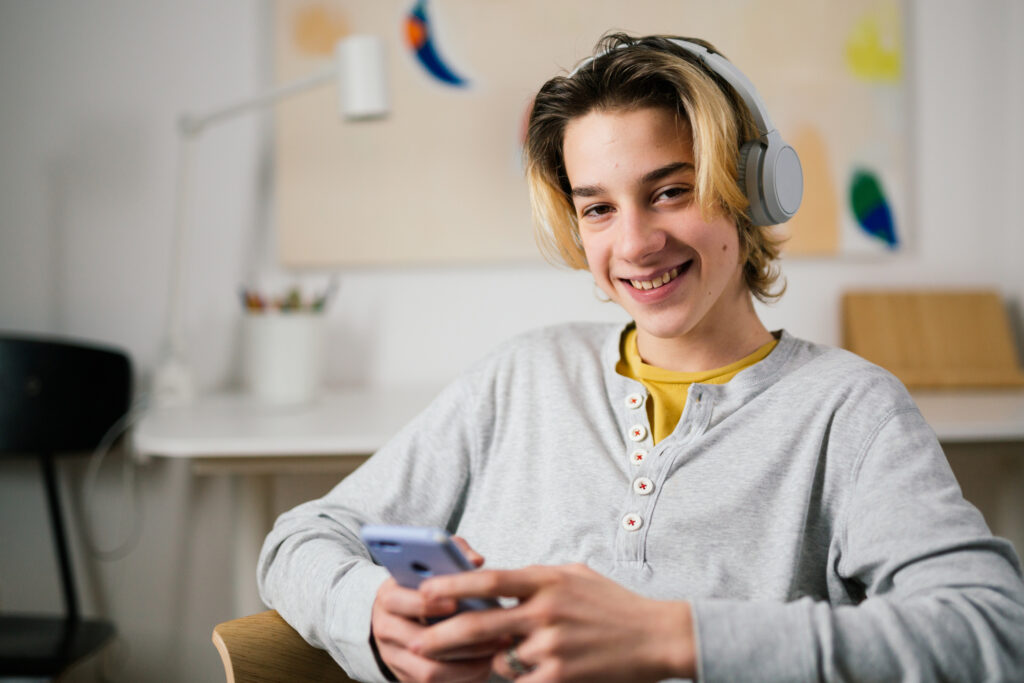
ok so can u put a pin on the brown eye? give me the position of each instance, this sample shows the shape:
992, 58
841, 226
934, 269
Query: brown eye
597, 210
673, 192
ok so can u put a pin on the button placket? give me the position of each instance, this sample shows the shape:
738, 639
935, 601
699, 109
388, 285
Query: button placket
694, 415
638, 453
637, 430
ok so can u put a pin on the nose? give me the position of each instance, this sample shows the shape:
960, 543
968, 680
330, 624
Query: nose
639, 236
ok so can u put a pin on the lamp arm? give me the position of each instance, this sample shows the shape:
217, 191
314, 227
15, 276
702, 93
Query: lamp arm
173, 382
193, 124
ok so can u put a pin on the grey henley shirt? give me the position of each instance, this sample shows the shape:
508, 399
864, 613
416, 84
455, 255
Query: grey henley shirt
805, 510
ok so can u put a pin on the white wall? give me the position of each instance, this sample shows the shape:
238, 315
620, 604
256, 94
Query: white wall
88, 95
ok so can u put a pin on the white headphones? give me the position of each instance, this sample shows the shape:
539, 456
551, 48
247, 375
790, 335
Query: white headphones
769, 168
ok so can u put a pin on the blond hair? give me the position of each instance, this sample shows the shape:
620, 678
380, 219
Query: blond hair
635, 73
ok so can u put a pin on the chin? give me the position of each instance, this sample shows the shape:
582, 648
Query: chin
664, 329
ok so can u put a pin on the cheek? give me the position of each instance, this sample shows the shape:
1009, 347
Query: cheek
733, 260
729, 246
724, 253
593, 252
731, 253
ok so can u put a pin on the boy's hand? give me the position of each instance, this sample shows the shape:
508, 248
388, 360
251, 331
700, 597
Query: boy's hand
572, 624
400, 614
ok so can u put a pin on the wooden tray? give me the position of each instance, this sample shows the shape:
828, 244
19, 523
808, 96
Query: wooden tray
934, 338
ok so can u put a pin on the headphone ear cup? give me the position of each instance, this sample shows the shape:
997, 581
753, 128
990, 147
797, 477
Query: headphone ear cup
751, 180
772, 178
782, 181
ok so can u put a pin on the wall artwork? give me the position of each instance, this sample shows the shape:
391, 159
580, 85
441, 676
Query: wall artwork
440, 181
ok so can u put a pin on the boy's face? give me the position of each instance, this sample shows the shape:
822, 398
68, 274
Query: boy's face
647, 245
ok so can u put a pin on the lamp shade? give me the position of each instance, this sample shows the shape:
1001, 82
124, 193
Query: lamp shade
362, 77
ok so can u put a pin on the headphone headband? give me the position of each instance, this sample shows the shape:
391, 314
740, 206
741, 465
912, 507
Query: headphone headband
717, 64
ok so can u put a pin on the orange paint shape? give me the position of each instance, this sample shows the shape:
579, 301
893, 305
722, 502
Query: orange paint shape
814, 230
317, 29
415, 33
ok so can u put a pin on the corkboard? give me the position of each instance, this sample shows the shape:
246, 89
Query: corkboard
441, 181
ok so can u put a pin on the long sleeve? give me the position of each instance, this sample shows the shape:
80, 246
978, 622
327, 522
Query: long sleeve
313, 567
929, 593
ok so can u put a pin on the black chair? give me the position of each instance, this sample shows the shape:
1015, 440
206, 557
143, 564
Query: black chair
56, 398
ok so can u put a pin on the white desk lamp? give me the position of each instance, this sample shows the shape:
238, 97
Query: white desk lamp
359, 70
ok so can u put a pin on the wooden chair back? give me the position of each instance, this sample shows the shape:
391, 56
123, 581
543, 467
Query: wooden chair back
263, 648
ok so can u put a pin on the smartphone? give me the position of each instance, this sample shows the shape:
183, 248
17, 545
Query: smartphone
415, 553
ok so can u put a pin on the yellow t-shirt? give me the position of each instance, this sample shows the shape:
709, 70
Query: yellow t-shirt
667, 389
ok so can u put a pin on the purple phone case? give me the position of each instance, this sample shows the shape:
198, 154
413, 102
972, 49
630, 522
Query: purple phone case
413, 553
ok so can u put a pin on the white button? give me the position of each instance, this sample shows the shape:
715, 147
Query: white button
643, 486
635, 401
637, 432
632, 522
638, 456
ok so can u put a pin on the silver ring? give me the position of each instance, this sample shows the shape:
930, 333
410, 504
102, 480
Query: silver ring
514, 663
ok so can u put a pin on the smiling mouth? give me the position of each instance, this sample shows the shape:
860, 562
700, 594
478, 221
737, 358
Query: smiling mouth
662, 280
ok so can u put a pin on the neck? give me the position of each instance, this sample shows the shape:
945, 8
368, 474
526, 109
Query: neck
712, 344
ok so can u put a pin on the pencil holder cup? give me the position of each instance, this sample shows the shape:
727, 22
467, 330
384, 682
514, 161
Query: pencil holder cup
283, 356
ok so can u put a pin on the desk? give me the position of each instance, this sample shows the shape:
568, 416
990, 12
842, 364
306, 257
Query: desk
973, 416
234, 434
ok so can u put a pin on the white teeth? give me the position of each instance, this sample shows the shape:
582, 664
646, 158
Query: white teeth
656, 282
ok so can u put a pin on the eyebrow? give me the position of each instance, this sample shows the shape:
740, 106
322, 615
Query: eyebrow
649, 177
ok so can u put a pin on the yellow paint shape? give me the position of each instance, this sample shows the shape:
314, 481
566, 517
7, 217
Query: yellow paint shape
814, 230
317, 29
874, 48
